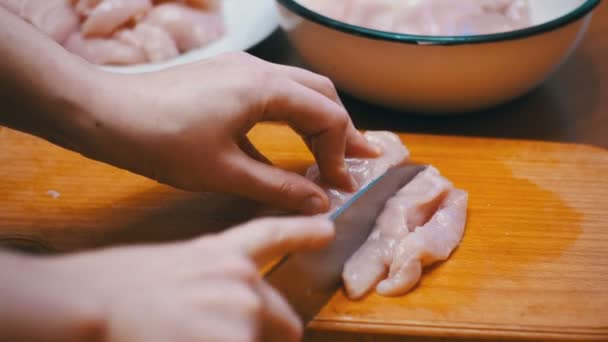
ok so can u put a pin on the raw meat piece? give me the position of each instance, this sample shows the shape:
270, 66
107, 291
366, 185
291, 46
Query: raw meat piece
120, 32
428, 244
429, 17
55, 18
423, 223
105, 51
411, 207
366, 170
204, 4
188, 27
464, 17
109, 15
85, 7
156, 43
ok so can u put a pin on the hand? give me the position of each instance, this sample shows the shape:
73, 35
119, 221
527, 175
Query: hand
203, 290
187, 127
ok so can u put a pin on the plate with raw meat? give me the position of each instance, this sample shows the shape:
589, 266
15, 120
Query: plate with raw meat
246, 23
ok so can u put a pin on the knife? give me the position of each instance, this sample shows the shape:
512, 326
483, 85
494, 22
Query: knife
308, 280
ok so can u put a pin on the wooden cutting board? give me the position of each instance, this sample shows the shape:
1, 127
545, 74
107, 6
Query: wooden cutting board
533, 263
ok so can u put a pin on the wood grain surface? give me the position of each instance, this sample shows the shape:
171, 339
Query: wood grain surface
532, 264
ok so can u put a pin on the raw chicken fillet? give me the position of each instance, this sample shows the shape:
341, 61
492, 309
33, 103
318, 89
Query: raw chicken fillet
422, 224
429, 17
366, 170
123, 32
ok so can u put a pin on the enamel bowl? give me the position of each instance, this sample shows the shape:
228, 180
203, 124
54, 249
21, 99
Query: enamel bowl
438, 74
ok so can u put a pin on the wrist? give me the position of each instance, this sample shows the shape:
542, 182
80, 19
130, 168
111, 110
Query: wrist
114, 129
97, 120
71, 106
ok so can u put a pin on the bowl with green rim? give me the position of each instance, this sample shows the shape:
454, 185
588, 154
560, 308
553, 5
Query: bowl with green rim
438, 74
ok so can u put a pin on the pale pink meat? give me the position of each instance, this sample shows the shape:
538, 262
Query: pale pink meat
155, 42
429, 17
411, 207
85, 7
463, 17
188, 27
110, 15
104, 50
124, 32
423, 223
366, 170
428, 244
204, 4
55, 18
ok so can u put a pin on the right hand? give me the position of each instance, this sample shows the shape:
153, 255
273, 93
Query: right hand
207, 289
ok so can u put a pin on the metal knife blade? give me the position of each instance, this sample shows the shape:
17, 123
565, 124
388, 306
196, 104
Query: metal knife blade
308, 280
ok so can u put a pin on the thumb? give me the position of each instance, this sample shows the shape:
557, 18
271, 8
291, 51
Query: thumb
269, 184
266, 239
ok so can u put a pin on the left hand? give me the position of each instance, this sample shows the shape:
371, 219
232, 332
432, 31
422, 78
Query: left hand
186, 126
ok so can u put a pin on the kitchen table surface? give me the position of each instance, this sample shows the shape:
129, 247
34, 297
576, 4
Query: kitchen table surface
572, 106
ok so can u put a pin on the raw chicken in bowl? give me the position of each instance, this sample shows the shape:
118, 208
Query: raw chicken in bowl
436, 56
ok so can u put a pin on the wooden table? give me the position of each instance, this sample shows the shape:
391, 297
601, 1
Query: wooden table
571, 107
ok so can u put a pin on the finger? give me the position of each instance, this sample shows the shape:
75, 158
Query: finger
267, 239
249, 149
316, 82
315, 116
356, 144
272, 185
280, 322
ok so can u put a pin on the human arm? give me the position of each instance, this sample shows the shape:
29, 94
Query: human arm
206, 289
185, 126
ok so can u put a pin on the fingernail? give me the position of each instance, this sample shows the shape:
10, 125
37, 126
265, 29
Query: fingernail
314, 205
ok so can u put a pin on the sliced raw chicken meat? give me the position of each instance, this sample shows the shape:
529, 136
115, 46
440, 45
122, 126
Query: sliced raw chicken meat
123, 32
421, 224
188, 27
85, 7
156, 43
428, 244
110, 15
411, 207
55, 18
366, 170
429, 17
464, 17
204, 4
105, 51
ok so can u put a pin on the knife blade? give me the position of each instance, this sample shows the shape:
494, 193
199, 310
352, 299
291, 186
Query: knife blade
308, 280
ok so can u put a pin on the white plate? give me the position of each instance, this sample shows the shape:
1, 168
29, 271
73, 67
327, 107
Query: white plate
248, 22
